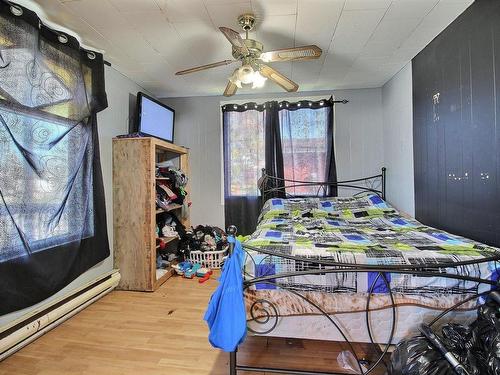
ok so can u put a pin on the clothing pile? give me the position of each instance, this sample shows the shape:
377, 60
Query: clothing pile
173, 189
168, 225
203, 238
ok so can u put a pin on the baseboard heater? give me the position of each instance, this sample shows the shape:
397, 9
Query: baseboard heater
29, 327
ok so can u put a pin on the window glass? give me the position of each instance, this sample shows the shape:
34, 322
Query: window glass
245, 137
48, 200
305, 146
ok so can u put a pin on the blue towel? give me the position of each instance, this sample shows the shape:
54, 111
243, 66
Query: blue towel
225, 315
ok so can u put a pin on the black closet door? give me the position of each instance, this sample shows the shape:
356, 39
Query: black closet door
456, 104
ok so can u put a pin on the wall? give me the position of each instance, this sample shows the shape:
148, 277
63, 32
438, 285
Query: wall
456, 86
398, 140
359, 146
112, 121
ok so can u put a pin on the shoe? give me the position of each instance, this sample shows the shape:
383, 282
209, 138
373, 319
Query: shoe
189, 274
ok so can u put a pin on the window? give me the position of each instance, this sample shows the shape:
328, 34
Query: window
46, 200
304, 143
304, 140
46, 142
244, 151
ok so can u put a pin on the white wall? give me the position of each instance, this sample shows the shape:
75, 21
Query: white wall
111, 122
359, 142
398, 140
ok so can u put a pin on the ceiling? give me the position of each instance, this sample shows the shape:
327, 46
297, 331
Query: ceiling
364, 42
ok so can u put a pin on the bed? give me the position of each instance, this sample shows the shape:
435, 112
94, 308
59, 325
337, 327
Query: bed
355, 269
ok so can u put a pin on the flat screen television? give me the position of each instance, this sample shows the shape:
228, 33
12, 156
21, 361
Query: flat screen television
154, 118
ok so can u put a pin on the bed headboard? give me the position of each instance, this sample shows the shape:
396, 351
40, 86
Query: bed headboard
272, 186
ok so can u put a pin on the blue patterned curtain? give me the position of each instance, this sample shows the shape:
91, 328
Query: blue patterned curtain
52, 218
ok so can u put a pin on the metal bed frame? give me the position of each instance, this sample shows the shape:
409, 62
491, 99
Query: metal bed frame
271, 187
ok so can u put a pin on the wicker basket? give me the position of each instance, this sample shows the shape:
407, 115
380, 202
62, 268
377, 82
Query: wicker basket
209, 259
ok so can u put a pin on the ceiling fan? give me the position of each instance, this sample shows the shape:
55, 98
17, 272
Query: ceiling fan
250, 53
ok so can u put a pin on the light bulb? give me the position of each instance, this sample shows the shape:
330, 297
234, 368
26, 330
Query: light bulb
235, 79
258, 80
245, 74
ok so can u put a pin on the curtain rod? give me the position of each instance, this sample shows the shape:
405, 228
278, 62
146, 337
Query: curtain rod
243, 101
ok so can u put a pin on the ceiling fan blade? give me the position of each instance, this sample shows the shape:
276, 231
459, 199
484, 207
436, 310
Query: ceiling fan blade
278, 78
230, 89
235, 39
205, 67
287, 54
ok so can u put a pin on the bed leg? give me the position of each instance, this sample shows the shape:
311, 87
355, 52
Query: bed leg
232, 363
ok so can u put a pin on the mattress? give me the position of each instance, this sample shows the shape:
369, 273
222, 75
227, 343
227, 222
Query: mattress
353, 325
359, 230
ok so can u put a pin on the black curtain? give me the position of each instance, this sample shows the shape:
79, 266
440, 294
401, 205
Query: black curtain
331, 166
290, 132
273, 149
52, 212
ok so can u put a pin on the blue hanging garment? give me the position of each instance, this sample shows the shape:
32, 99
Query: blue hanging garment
225, 315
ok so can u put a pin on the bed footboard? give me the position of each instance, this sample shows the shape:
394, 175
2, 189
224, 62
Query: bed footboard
265, 313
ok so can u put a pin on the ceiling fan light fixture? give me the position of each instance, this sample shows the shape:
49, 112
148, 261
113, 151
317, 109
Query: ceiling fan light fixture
258, 80
250, 53
246, 75
235, 79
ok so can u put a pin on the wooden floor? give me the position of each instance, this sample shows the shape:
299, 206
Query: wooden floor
156, 333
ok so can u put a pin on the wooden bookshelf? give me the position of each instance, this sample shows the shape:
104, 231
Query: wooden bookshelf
135, 211
170, 207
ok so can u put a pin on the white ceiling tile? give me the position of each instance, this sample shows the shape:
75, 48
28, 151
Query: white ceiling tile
443, 14
316, 22
457, 2
223, 2
264, 8
394, 31
406, 53
410, 8
100, 14
147, 21
185, 10
366, 4
437, 20
336, 67
160, 69
379, 49
136, 75
354, 30
276, 32
227, 14
135, 5
205, 43
304, 70
165, 38
132, 44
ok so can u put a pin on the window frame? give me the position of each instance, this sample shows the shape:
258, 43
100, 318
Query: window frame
260, 100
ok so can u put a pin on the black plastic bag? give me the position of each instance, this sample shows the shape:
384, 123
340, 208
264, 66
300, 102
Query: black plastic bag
476, 347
